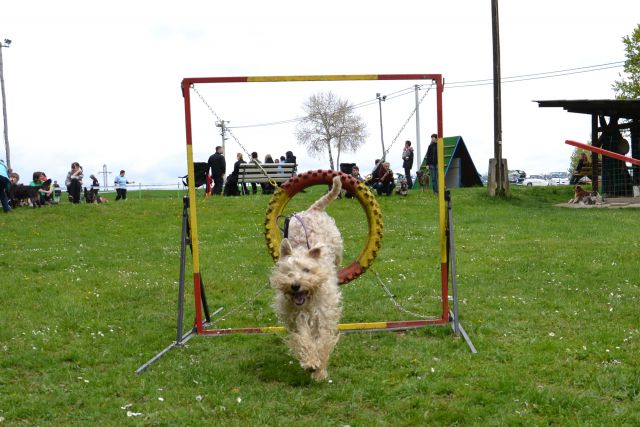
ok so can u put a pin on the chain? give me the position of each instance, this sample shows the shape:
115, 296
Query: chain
398, 306
406, 122
238, 307
272, 182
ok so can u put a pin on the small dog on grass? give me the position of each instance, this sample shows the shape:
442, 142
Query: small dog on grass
92, 196
305, 278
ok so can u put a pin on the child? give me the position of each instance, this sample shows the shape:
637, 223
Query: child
44, 187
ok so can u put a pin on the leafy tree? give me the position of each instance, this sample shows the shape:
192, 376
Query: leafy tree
330, 124
629, 86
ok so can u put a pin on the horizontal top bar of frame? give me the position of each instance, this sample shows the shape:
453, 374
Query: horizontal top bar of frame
192, 80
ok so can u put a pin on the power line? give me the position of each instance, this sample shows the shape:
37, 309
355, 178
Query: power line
537, 76
367, 103
463, 84
616, 63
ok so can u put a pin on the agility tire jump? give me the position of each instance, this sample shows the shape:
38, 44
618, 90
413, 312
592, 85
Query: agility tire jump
361, 192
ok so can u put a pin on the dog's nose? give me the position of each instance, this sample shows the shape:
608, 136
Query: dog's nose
295, 287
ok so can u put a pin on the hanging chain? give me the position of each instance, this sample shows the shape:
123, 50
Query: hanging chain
398, 306
238, 307
272, 182
406, 123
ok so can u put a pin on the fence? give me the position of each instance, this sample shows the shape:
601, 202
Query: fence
138, 189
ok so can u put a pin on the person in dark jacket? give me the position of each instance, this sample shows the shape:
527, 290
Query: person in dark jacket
231, 185
268, 188
407, 162
385, 182
218, 167
432, 162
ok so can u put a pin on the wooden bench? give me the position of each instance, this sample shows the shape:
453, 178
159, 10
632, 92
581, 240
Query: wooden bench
585, 171
279, 172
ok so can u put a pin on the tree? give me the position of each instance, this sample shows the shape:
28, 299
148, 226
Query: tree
629, 86
330, 123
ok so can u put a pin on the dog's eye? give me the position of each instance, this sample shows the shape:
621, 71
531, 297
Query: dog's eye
305, 270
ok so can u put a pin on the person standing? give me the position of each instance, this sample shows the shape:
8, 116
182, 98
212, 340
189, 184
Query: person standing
254, 159
218, 167
121, 186
432, 162
407, 162
4, 187
74, 182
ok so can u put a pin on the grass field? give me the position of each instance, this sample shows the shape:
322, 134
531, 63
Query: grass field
549, 297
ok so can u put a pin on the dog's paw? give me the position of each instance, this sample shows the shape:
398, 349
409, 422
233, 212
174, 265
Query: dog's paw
311, 366
320, 375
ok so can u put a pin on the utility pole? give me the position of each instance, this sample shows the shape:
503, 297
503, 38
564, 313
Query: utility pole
380, 99
6, 43
498, 185
104, 175
222, 124
419, 162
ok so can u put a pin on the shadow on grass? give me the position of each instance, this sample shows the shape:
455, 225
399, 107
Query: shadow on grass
274, 365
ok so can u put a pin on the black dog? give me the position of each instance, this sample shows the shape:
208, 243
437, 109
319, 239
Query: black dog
27, 195
24, 195
91, 196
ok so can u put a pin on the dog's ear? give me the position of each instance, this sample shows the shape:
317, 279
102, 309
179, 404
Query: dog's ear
285, 248
315, 252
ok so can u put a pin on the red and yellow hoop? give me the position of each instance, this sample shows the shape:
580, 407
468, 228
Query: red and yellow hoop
361, 192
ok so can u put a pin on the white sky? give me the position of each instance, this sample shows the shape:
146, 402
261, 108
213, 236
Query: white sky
99, 82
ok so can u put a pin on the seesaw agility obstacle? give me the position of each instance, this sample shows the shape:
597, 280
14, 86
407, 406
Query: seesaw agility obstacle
282, 195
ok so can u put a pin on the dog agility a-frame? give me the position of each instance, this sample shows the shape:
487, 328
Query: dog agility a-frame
190, 226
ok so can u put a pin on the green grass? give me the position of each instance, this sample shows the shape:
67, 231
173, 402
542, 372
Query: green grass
549, 297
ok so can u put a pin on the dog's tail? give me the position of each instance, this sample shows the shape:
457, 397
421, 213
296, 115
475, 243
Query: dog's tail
324, 201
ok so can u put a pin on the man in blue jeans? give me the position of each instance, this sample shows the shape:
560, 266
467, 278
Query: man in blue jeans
432, 162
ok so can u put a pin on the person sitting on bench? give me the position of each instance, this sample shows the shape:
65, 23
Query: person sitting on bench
582, 164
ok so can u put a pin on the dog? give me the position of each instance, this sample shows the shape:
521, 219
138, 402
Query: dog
423, 180
24, 195
92, 196
403, 190
586, 198
305, 278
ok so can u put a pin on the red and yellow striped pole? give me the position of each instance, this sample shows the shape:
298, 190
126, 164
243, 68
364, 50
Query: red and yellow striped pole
193, 219
444, 262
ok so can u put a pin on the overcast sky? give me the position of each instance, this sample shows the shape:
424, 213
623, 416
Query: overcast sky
99, 82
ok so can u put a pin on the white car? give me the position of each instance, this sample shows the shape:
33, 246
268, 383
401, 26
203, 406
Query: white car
536, 181
560, 178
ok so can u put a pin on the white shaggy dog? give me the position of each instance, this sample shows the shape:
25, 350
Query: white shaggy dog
305, 277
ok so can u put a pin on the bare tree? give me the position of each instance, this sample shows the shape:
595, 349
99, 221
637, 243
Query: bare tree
330, 123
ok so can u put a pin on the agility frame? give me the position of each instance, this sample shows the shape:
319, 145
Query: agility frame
200, 326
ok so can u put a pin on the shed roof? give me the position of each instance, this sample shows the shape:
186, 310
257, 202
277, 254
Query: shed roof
621, 108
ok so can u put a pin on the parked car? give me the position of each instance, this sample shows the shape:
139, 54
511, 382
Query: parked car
516, 176
560, 178
536, 181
